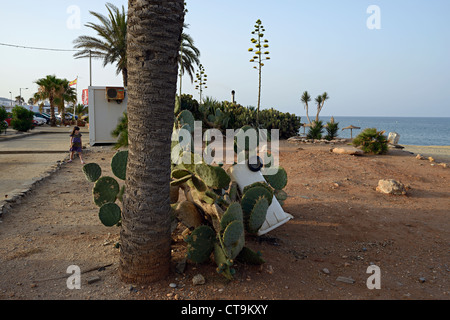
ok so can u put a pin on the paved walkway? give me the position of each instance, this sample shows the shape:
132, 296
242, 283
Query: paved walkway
25, 158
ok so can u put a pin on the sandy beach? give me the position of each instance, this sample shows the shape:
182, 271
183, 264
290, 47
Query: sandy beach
439, 153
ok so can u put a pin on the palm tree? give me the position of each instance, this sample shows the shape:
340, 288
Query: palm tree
305, 99
111, 44
66, 94
48, 89
188, 56
154, 28
320, 101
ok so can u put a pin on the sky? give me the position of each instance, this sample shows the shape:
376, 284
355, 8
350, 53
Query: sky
394, 61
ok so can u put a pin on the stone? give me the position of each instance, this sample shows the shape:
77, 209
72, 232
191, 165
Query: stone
326, 271
93, 280
198, 280
348, 150
443, 165
420, 157
431, 159
173, 285
345, 280
393, 138
391, 187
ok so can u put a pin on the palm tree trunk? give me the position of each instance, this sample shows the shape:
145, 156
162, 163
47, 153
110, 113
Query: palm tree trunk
154, 35
307, 116
125, 77
52, 112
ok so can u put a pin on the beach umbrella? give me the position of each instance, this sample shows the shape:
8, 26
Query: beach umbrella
305, 125
351, 129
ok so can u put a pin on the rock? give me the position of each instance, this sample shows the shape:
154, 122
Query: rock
326, 271
348, 150
295, 139
345, 280
93, 280
393, 138
419, 157
422, 280
443, 165
173, 285
188, 214
431, 159
198, 280
391, 187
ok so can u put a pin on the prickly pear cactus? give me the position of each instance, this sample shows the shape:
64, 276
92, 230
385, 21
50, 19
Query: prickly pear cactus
200, 244
92, 171
119, 164
110, 214
249, 256
257, 216
279, 180
105, 190
214, 177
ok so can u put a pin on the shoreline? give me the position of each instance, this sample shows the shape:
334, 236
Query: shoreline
441, 153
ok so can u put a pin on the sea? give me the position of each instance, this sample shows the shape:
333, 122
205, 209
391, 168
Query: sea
415, 131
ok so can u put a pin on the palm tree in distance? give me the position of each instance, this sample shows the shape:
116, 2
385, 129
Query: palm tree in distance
111, 44
320, 101
48, 89
305, 99
188, 56
66, 94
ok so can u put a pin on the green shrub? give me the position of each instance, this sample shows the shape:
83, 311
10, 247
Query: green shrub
3, 117
22, 119
121, 132
372, 141
315, 131
332, 130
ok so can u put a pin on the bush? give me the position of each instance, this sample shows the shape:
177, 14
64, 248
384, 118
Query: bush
332, 130
315, 131
372, 141
3, 117
121, 132
226, 115
22, 119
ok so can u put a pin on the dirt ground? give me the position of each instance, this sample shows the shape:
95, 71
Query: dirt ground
341, 226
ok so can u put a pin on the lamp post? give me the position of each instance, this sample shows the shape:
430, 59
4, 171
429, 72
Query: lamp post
20, 95
10, 93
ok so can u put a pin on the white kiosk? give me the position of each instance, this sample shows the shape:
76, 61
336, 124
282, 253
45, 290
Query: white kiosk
106, 107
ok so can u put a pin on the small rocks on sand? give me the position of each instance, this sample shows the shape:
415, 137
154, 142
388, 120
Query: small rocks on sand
198, 280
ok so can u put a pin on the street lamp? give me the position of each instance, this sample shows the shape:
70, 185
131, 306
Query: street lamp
10, 93
20, 95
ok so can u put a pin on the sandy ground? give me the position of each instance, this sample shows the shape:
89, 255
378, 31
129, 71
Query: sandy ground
341, 226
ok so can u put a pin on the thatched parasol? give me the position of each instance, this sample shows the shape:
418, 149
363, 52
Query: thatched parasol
351, 129
305, 125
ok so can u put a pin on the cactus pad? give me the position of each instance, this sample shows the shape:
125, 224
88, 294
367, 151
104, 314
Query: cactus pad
186, 117
105, 190
233, 233
249, 256
251, 196
263, 185
233, 213
92, 171
110, 214
278, 180
119, 164
257, 216
200, 244
214, 177
280, 195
